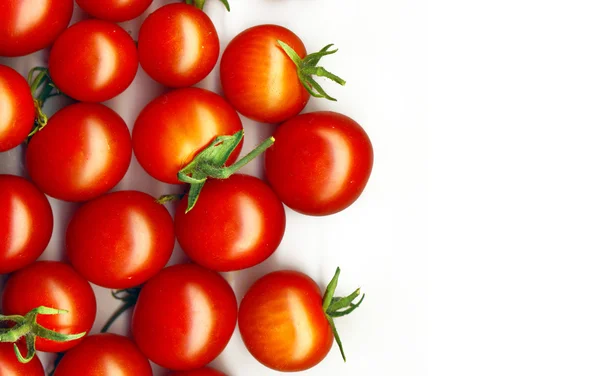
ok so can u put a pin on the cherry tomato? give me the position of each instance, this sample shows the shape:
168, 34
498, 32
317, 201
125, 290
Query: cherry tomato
184, 317
10, 365
236, 223
259, 79
199, 372
29, 26
54, 285
120, 240
83, 152
93, 61
25, 223
104, 355
178, 45
17, 112
174, 127
320, 163
115, 10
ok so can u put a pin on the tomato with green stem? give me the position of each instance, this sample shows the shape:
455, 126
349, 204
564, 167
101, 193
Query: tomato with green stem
286, 324
17, 110
199, 372
114, 10
10, 365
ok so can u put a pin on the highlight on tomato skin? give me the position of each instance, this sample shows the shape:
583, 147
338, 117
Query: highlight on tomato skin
114, 10
18, 110
10, 365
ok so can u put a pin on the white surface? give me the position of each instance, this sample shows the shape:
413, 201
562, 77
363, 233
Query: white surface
380, 242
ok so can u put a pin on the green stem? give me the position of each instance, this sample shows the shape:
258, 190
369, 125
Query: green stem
124, 307
48, 90
168, 198
129, 298
200, 4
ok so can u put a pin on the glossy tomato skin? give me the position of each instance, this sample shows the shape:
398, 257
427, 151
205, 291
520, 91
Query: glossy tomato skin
104, 355
114, 10
174, 127
29, 26
178, 45
17, 111
320, 163
83, 152
10, 365
184, 317
25, 223
93, 61
282, 322
199, 372
55, 285
121, 239
259, 79
236, 223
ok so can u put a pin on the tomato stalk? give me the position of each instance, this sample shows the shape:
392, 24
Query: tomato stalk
42, 88
200, 4
335, 307
129, 297
27, 326
307, 68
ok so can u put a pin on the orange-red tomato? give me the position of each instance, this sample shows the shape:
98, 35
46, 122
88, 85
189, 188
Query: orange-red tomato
93, 61
17, 112
25, 223
176, 126
199, 372
29, 26
83, 152
259, 79
283, 324
178, 45
115, 10
10, 365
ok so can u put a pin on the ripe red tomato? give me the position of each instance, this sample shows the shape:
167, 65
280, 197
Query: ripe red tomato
199, 372
115, 10
29, 26
174, 127
184, 317
83, 152
104, 355
25, 221
121, 239
320, 163
10, 365
178, 45
236, 223
93, 61
17, 112
259, 79
55, 285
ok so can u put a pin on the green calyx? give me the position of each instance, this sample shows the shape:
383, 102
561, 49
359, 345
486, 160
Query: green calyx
200, 4
129, 297
27, 326
209, 163
42, 88
307, 68
335, 307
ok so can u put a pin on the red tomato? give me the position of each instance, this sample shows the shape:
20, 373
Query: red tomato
55, 285
236, 223
174, 127
184, 317
320, 163
178, 45
17, 112
25, 221
10, 365
104, 355
283, 324
120, 240
83, 152
199, 372
259, 79
93, 61
115, 10
29, 26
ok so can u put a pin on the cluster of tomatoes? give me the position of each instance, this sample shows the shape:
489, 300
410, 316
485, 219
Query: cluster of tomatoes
184, 315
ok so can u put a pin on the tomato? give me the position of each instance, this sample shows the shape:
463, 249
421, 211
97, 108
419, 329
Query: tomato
17, 111
236, 223
104, 355
199, 372
55, 285
120, 240
115, 10
29, 26
174, 127
93, 61
10, 365
184, 317
259, 79
25, 223
320, 163
83, 152
178, 45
